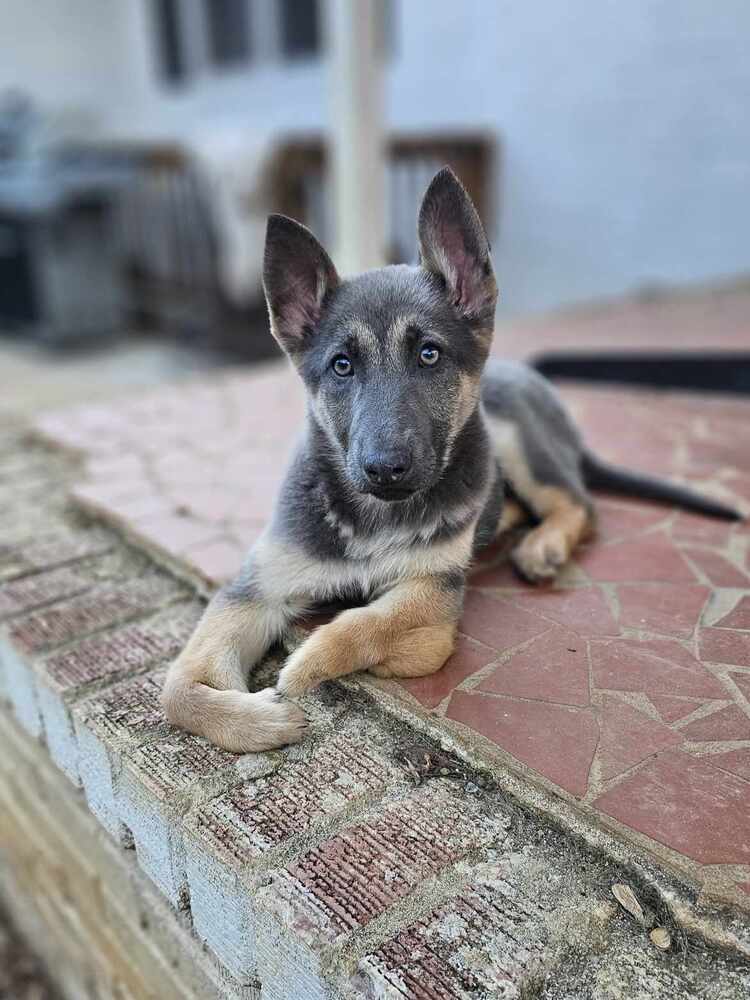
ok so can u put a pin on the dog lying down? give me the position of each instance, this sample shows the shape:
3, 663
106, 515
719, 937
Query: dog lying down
416, 453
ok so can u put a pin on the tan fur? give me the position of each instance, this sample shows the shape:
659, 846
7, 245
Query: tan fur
414, 563
546, 548
512, 516
383, 637
288, 572
464, 405
565, 520
506, 444
213, 653
419, 652
395, 335
366, 339
205, 691
408, 631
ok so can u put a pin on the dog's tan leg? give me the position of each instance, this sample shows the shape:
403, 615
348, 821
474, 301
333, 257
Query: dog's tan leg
205, 691
419, 652
511, 517
546, 548
407, 632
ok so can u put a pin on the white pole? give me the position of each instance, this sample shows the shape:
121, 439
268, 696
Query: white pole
357, 139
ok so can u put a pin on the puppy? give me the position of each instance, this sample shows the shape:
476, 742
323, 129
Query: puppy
415, 454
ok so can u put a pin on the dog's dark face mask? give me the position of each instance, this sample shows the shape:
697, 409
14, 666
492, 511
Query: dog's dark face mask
391, 359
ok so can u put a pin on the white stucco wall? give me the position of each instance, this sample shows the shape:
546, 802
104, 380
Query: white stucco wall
269, 95
66, 54
624, 128
625, 133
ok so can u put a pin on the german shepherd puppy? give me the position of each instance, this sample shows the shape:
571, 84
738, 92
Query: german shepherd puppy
415, 454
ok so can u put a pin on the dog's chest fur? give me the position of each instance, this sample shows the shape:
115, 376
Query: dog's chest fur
331, 543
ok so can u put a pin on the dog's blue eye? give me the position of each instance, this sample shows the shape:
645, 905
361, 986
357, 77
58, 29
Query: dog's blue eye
429, 355
342, 365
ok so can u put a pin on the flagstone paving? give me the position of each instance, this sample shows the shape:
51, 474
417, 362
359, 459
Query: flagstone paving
625, 686
701, 319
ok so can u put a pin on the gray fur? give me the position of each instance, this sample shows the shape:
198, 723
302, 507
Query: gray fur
551, 442
409, 452
600, 475
556, 453
327, 510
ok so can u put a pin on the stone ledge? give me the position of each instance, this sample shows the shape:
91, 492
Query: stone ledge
587, 687
34, 553
367, 861
96, 920
428, 955
42, 618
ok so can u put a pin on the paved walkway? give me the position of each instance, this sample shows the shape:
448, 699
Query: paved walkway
714, 320
626, 686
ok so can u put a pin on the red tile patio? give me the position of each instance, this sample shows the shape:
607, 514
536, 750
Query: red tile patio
707, 319
625, 686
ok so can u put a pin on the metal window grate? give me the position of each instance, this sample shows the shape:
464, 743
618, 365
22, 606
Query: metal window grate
301, 190
300, 27
228, 31
168, 34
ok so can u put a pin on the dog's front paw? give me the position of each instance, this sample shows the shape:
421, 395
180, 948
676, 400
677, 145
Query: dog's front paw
540, 556
280, 722
303, 671
329, 652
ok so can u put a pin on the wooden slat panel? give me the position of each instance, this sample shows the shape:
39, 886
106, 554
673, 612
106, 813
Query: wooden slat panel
413, 159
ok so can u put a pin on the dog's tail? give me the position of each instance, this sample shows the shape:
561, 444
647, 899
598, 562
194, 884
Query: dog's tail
238, 721
600, 475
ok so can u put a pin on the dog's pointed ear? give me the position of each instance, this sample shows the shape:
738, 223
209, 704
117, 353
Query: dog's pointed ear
454, 245
298, 278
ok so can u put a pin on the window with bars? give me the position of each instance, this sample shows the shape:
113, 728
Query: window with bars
231, 33
300, 28
228, 28
170, 47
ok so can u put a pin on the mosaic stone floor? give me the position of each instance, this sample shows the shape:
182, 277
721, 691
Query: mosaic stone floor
625, 686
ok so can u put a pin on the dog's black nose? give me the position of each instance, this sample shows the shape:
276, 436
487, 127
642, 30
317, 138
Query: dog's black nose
387, 467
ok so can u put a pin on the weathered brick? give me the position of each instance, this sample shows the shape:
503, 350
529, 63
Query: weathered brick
24, 519
51, 550
129, 649
251, 819
34, 591
12, 561
23, 464
102, 607
127, 711
181, 767
479, 944
259, 823
105, 725
64, 677
24, 496
343, 884
19, 688
158, 782
357, 874
103, 923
